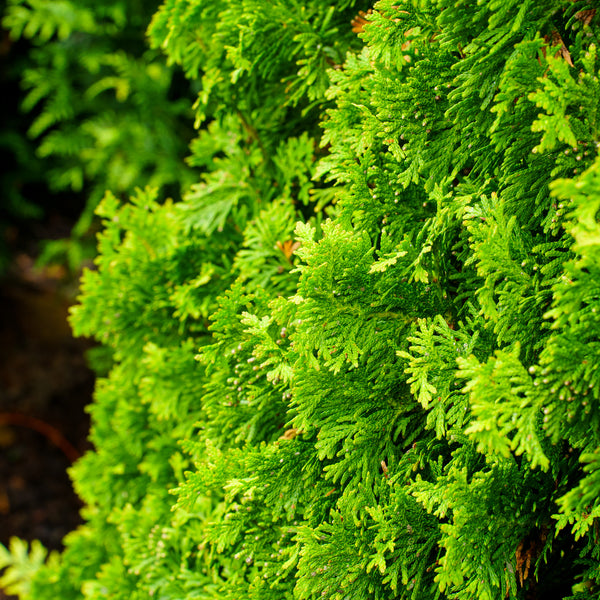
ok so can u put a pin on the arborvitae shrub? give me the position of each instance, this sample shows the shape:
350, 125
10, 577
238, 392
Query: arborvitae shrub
396, 397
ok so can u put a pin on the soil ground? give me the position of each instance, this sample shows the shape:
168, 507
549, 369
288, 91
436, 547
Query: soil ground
45, 385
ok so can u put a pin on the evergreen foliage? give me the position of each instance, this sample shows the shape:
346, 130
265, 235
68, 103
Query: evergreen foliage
359, 359
22, 171
105, 111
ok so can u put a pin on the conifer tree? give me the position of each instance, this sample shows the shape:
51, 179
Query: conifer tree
356, 361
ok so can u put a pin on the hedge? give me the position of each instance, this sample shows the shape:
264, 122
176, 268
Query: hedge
360, 358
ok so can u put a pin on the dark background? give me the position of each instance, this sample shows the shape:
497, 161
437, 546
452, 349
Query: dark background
45, 383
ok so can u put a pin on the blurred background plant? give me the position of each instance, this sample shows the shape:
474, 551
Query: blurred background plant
97, 110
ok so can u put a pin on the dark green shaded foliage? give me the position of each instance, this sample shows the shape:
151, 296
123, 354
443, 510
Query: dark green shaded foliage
104, 110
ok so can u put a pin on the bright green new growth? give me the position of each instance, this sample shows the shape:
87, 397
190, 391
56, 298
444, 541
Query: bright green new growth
357, 362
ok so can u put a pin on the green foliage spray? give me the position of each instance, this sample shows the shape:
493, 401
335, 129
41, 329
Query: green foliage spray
360, 360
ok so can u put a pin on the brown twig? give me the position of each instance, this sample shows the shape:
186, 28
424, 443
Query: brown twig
53, 435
